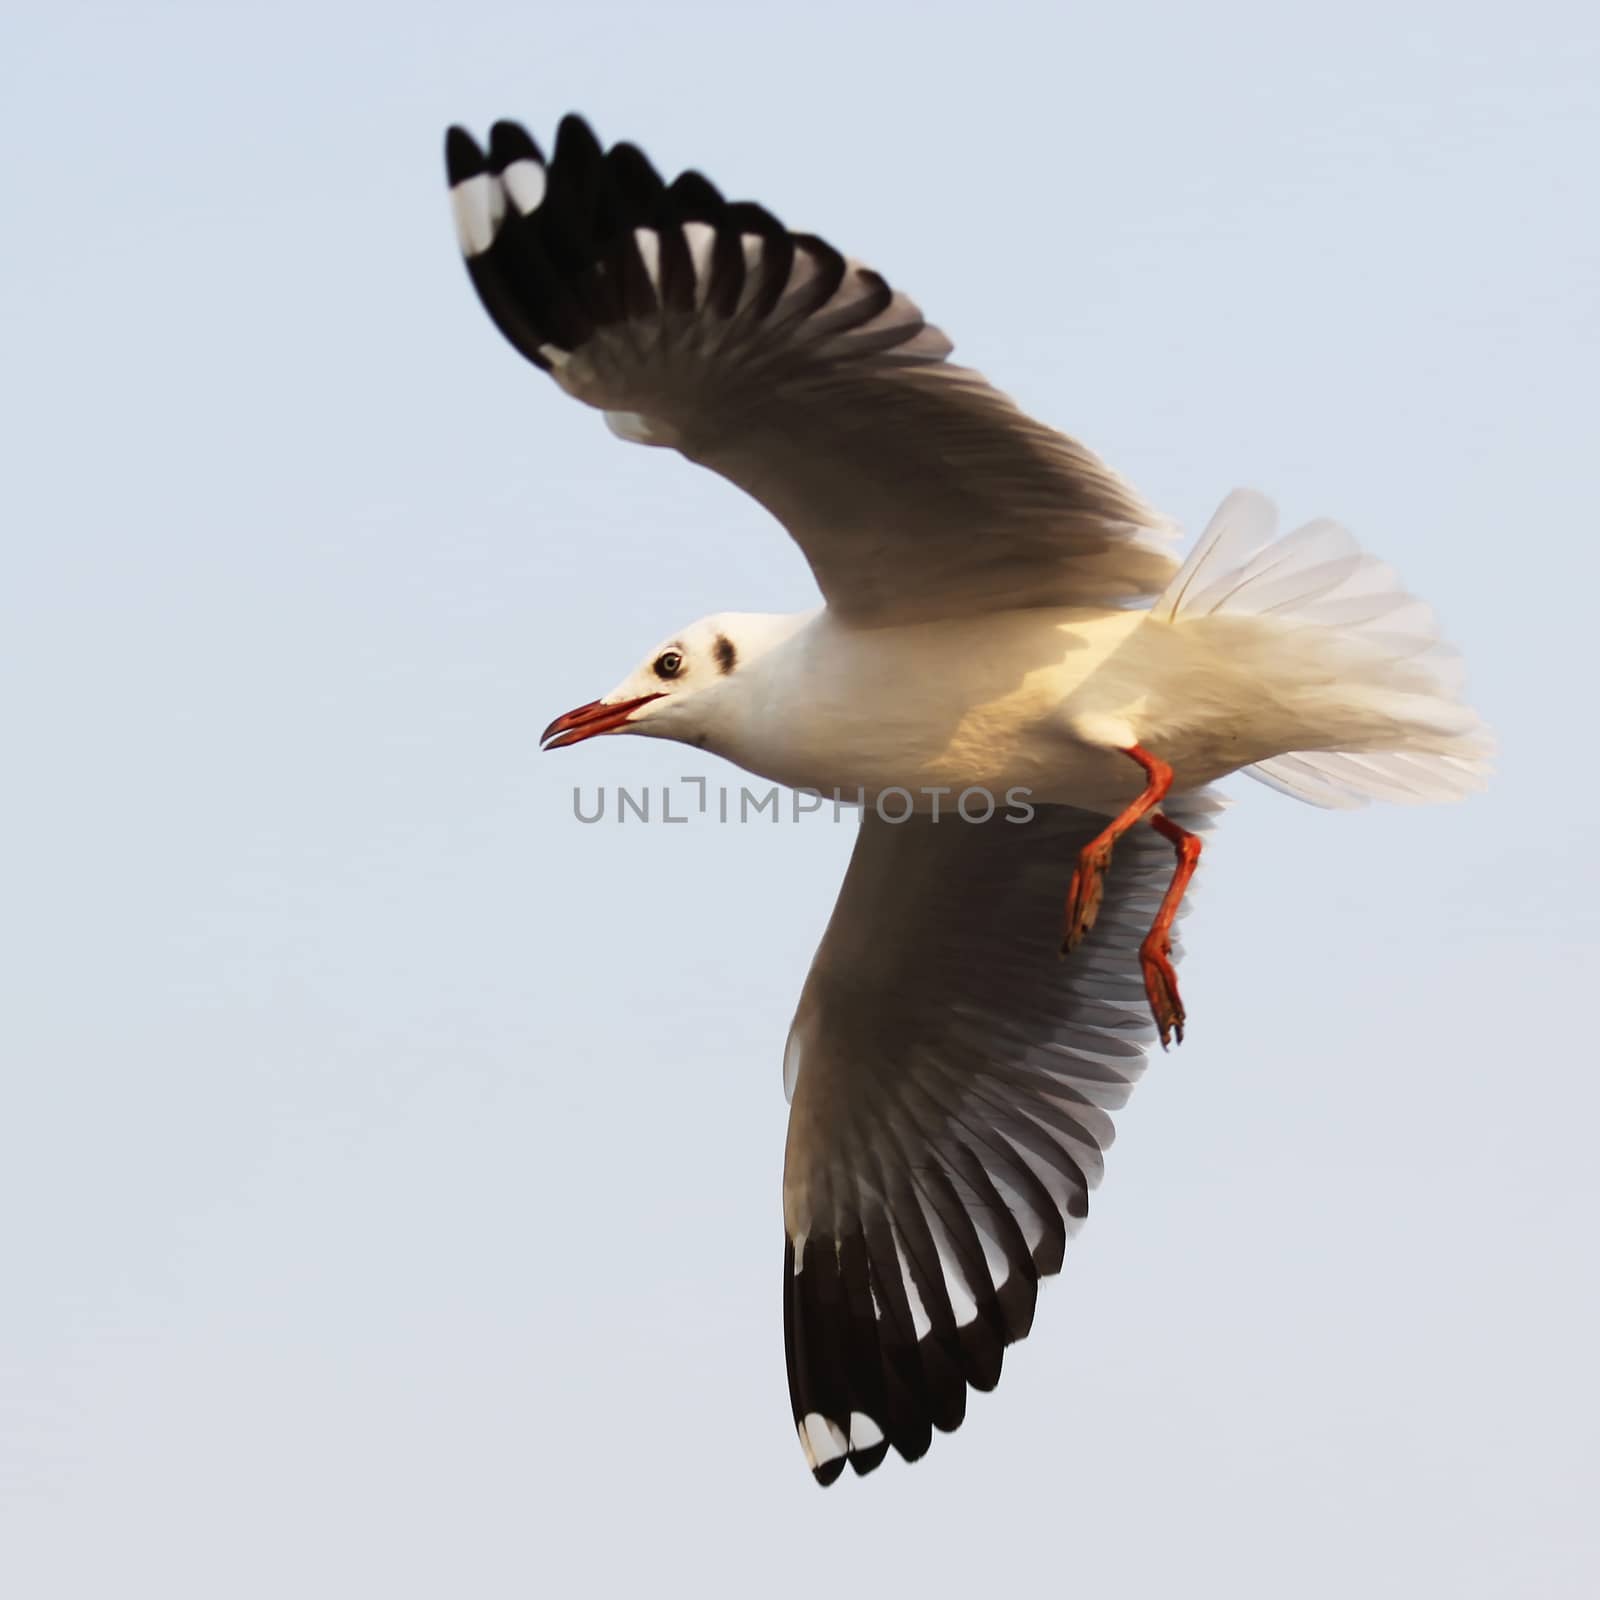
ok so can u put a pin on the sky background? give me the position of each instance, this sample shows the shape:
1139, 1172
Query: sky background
389, 1165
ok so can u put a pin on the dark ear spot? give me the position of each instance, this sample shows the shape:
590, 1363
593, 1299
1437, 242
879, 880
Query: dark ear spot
727, 656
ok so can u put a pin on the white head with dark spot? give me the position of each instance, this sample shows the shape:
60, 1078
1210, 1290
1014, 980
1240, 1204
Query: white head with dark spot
678, 689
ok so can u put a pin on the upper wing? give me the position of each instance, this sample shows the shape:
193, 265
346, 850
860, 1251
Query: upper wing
952, 1081
913, 487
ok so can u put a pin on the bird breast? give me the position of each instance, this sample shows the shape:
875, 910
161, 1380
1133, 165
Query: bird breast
973, 702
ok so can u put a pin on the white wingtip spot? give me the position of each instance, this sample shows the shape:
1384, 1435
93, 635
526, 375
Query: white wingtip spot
701, 238
962, 1304
826, 1439
478, 204
864, 1432
921, 1322
649, 243
525, 182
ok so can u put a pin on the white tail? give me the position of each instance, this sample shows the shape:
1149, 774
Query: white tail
1359, 634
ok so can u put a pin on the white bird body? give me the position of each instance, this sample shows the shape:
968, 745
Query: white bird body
1039, 702
954, 704
1004, 615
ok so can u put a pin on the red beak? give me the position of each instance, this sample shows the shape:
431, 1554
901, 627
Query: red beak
599, 716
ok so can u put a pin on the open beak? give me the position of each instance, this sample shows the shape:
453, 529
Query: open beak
599, 716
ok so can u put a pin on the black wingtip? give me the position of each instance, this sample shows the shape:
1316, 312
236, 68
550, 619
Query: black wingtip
575, 140
828, 1472
695, 198
865, 1461
510, 141
462, 157
635, 180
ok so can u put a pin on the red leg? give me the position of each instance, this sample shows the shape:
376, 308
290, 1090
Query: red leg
1083, 894
1155, 954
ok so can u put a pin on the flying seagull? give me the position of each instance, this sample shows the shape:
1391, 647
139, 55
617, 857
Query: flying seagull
1003, 616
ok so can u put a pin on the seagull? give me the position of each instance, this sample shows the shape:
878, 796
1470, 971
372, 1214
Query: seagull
1029, 693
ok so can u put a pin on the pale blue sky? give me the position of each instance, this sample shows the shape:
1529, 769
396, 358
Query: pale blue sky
389, 1165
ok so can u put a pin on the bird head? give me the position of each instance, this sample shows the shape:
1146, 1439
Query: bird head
673, 693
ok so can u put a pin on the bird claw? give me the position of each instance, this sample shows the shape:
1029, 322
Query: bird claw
1161, 990
1084, 894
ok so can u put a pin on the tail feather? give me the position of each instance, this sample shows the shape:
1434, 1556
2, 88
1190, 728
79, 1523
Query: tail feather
1242, 524
1365, 647
1341, 781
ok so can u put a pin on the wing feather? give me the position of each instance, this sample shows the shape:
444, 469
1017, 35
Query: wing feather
914, 488
951, 1097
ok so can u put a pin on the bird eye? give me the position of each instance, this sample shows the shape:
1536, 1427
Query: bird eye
669, 664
